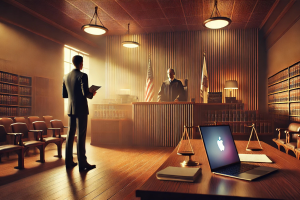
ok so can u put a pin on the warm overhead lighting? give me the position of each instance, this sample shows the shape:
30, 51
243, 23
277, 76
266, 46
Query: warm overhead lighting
130, 44
216, 21
94, 29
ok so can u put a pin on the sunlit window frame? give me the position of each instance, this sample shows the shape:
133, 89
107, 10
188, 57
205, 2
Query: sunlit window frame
69, 52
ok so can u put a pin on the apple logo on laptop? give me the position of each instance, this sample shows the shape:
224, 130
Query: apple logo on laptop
220, 144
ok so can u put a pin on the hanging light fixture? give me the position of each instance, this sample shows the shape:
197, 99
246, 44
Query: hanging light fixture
216, 21
95, 29
130, 44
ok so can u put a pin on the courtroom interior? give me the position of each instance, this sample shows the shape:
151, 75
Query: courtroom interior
165, 69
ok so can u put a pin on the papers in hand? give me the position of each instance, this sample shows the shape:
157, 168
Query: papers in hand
254, 158
178, 174
94, 88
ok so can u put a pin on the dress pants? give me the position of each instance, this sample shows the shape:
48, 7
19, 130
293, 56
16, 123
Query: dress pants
79, 123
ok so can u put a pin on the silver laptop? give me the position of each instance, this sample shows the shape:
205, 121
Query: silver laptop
223, 156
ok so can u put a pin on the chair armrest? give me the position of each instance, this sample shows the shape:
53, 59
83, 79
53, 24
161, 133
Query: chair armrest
53, 130
36, 133
16, 135
281, 130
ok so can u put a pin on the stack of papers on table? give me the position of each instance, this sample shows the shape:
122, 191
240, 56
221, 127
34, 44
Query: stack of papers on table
178, 174
255, 158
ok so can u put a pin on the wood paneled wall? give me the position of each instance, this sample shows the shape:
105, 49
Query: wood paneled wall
230, 55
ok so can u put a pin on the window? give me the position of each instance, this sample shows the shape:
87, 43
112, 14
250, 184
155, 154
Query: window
69, 52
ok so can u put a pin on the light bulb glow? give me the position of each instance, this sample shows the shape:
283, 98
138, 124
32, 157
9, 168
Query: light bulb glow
130, 44
94, 29
217, 22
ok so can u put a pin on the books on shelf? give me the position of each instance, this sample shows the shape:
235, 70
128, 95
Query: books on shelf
185, 174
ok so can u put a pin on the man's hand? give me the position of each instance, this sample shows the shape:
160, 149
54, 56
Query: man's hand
176, 100
93, 91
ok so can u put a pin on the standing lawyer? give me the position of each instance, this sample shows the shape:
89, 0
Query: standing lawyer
75, 88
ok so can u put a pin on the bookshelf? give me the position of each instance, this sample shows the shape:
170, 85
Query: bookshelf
236, 116
15, 95
284, 95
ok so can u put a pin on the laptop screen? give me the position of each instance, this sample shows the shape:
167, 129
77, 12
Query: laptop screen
219, 145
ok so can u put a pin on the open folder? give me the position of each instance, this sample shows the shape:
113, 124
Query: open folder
94, 87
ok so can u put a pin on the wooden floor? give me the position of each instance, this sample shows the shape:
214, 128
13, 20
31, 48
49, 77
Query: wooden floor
120, 171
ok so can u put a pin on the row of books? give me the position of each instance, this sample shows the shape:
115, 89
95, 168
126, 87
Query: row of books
25, 91
278, 77
25, 81
261, 128
295, 109
112, 114
279, 87
279, 109
24, 111
8, 77
295, 119
280, 97
8, 100
234, 116
25, 101
295, 82
8, 111
295, 70
295, 95
6, 88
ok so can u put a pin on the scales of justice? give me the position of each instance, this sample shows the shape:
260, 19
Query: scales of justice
185, 148
252, 148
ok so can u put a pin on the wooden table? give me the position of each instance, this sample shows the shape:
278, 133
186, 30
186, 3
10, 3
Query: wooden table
282, 184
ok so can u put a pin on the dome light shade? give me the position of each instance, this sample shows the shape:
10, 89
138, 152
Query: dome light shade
231, 84
94, 29
216, 21
130, 44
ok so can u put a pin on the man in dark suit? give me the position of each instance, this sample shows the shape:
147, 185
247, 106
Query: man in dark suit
171, 89
75, 88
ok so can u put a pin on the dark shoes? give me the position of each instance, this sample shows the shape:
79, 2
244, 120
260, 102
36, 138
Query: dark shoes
86, 167
71, 165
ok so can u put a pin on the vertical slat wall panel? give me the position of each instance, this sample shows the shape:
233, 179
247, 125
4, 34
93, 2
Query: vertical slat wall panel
158, 124
230, 54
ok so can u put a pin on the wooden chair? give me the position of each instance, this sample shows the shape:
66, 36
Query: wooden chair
6, 122
291, 137
42, 127
185, 87
47, 119
6, 148
37, 142
56, 123
282, 138
32, 119
22, 120
297, 151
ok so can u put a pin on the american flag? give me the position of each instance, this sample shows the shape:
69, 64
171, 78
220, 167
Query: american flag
149, 84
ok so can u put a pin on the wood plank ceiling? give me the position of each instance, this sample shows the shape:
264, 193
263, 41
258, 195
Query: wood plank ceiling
147, 16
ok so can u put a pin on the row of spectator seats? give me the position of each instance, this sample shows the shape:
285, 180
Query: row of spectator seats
289, 139
19, 129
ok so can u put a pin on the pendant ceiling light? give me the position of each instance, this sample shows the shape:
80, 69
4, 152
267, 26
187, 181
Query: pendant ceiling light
94, 29
216, 21
130, 44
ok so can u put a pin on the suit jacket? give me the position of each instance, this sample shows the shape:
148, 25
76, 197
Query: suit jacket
76, 89
171, 91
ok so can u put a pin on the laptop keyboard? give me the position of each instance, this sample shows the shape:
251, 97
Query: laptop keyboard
236, 169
